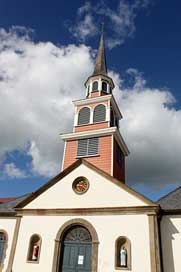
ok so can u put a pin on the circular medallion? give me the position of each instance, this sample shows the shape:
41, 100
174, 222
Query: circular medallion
80, 185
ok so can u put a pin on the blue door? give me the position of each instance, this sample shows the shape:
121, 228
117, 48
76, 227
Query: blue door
77, 251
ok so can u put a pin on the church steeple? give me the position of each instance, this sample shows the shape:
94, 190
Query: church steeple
96, 136
100, 65
99, 83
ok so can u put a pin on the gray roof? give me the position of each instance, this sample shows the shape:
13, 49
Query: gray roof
8, 207
171, 201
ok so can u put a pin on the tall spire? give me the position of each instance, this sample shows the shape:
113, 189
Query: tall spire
100, 65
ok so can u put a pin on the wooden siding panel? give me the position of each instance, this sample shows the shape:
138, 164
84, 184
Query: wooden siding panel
103, 161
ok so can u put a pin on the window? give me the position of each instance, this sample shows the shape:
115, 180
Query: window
95, 86
87, 147
84, 116
99, 113
34, 248
104, 86
3, 245
123, 253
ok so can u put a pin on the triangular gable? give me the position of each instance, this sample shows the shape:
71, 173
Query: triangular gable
105, 191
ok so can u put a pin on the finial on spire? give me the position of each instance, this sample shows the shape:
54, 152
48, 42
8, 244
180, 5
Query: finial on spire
102, 26
100, 65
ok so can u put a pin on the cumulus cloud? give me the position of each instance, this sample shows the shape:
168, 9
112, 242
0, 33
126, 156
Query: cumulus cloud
11, 171
38, 81
37, 84
120, 21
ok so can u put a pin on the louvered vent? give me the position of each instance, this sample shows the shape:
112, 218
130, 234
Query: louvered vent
82, 148
88, 147
99, 114
93, 146
84, 116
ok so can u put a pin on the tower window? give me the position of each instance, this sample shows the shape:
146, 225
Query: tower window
99, 113
88, 147
104, 86
84, 116
95, 86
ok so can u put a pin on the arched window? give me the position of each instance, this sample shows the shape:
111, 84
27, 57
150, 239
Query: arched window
84, 116
99, 113
34, 248
3, 246
95, 86
123, 253
104, 86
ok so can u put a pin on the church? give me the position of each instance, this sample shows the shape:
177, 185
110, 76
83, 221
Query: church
87, 219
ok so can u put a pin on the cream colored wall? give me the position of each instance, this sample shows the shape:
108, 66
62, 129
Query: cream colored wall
108, 228
101, 190
171, 242
8, 225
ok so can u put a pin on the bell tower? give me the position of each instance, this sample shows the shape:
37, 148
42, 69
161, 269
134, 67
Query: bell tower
96, 136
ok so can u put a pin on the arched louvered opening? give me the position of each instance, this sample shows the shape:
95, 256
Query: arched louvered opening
95, 86
104, 86
88, 147
99, 113
84, 116
3, 245
34, 248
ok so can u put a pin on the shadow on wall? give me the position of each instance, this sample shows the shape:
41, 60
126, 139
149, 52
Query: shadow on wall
168, 231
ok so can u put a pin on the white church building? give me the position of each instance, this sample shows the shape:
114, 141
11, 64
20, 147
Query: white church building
86, 219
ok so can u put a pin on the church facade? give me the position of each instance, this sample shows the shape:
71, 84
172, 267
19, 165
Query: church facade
86, 219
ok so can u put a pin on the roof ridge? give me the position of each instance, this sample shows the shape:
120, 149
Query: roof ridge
169, 193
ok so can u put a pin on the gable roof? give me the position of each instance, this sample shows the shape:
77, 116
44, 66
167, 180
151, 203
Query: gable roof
8, 206
171, 201
69, 169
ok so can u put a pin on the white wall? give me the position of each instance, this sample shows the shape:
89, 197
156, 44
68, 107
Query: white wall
108, 228
8, 225
171, 242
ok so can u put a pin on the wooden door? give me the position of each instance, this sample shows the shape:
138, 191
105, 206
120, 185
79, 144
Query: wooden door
77, 251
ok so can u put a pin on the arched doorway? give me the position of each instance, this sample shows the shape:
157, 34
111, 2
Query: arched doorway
76, 250
61, 241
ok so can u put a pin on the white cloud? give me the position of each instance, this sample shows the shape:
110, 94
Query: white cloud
11, 171
38, 83
120, 22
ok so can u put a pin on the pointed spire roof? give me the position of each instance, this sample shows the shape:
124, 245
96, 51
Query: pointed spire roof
100, 65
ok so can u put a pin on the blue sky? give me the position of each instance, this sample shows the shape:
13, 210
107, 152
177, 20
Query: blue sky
143, 54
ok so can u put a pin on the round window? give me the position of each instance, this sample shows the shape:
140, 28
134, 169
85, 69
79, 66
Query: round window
80, 185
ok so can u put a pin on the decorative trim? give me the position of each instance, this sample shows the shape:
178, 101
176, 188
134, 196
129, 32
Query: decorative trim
78, 179
90, 133
63, 159
59, 242
14, 243
154, 243
149, 210
73, 166
86, 101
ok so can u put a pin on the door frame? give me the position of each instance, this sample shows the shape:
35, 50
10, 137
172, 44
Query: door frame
59, 242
